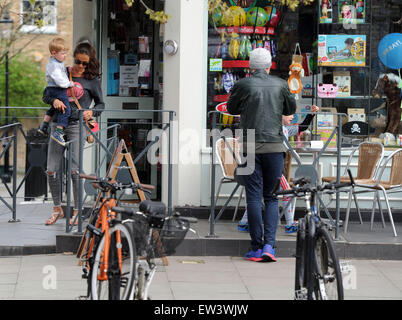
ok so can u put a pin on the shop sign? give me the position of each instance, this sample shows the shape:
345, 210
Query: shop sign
222, 108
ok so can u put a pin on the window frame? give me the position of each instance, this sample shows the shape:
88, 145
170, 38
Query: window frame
49, 29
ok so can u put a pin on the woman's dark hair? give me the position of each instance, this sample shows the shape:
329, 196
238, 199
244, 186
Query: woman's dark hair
92, 70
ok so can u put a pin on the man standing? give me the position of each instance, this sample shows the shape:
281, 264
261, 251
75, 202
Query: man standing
261, 100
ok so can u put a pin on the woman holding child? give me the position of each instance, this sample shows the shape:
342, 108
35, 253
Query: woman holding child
85, 76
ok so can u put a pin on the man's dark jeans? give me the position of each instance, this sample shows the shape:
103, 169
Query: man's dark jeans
259, 185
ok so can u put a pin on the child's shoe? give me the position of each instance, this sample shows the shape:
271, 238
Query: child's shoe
44, 129
58, 137
291, 228
242, 227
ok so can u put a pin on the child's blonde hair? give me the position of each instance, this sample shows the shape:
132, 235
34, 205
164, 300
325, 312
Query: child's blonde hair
57, 44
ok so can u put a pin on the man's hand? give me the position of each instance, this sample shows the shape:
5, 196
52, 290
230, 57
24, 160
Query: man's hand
59, 105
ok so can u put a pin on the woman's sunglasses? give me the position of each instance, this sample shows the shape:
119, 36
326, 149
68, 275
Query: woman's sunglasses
84, 63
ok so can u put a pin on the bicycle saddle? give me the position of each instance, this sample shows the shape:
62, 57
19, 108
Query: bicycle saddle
153, 207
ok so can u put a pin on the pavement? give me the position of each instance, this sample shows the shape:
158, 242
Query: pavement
206, 268
58, 277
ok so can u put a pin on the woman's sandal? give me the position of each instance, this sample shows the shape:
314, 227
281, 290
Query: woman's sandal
75, 212
57, 213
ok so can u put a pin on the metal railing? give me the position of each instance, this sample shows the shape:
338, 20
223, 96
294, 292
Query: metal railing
82, 133
337, 130
105, 148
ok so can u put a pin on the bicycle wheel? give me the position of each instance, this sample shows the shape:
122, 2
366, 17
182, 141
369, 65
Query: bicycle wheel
329, 277
300, 289
118, 282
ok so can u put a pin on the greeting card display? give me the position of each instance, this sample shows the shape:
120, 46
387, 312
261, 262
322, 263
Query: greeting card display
352, 12
342, 50
342, 80
325, 7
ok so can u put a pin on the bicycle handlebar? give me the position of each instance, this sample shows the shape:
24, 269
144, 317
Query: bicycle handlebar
296, 190
131, 211
118, 185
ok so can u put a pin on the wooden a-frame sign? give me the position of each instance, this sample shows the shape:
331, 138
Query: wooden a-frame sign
121, 153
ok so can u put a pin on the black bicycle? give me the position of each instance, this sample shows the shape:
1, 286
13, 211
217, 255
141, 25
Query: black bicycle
318, 273
155, 235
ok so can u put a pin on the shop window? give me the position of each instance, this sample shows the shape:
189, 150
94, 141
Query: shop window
280, 32
131, 50
250, 24
43, 12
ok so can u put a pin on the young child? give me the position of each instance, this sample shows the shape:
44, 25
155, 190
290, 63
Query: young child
57, 84
289, 130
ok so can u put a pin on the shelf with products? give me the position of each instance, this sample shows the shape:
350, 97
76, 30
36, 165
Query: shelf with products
231, 38
270, 31
344, 30
130, 52
229, 64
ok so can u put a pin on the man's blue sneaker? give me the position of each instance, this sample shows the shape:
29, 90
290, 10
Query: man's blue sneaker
58, 137
268, 254
242, 227
254, 255
291, 228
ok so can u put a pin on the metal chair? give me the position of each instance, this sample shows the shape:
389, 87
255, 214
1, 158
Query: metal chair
392, 185
228, 154
370, 157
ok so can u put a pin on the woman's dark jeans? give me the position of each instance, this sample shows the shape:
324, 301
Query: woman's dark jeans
259, 185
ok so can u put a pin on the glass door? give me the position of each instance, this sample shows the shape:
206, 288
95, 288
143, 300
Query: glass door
131, 57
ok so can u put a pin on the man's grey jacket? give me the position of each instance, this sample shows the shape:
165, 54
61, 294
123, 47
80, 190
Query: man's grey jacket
261, 100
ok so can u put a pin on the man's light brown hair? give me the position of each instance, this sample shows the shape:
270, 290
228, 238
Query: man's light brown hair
57, 44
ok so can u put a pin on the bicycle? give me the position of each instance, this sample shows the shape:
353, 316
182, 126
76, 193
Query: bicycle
318, 273
110, 257
150, 243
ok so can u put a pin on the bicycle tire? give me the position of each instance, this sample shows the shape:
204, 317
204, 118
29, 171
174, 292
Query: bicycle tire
119, 285
300, 260
329, 284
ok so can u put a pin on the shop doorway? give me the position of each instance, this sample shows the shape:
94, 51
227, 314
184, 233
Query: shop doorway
130, 46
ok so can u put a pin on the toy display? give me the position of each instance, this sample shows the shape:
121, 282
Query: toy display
343, 81
274, 16
308, 91
351, 11
245, 48
234, 46
356, 114
389, 85
342, 50
215, 19
390, 50
245, 4
294, 81
327, 90
257, 17
325, 7
236, 17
